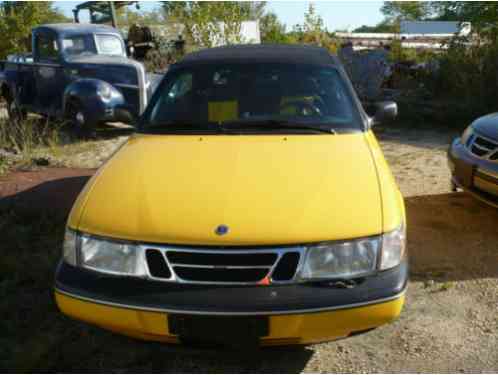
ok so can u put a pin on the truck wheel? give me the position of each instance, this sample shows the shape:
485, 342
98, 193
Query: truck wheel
15, 113
78, 121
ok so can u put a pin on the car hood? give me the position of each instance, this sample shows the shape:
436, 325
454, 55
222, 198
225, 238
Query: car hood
102, 59
487, 126
267, 189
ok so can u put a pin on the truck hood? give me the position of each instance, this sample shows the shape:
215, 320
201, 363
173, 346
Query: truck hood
102, 60
267, 189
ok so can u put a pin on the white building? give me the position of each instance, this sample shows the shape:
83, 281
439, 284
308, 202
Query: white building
435, 28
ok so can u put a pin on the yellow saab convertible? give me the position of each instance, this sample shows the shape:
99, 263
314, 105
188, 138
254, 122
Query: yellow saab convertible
253, 205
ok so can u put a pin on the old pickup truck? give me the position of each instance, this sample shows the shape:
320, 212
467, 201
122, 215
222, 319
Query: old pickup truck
79, 73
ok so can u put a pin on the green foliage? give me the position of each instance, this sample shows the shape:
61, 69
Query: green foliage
469, 67
477, 12
313, 31
18, 18
394, 11
128, 17
210, 23
382, 27
468, 75
27, 136
272, 30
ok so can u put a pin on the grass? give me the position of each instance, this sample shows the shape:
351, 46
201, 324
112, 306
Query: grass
26, 138
36, 337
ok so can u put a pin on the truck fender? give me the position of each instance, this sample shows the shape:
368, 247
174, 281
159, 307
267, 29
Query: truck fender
97, 98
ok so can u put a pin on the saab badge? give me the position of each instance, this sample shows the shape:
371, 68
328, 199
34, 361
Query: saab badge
221, 230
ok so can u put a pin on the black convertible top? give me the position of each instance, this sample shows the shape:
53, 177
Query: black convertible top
263, 53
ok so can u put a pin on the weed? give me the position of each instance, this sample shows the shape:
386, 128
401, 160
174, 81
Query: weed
26, 136
446, 286
3, 165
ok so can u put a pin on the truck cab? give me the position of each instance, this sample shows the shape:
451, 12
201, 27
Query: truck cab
78, 72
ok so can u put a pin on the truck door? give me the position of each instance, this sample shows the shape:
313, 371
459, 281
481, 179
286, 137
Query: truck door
49, 73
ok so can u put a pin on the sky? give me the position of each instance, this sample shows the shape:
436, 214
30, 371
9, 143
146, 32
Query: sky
337, 15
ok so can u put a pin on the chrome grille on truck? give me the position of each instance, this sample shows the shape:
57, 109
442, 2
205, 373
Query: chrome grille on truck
484, 147
223, 266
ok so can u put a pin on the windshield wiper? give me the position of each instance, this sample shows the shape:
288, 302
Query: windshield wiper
273, 124
182, 127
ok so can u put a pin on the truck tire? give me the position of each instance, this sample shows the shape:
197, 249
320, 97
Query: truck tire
78, 121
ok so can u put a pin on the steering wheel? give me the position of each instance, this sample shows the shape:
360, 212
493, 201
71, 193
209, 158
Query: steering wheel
302, 107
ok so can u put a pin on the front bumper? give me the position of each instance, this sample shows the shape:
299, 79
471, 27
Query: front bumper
476, 176
297, 314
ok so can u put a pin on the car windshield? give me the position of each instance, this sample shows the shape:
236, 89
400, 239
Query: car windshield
79, 45
262, 97
85, 45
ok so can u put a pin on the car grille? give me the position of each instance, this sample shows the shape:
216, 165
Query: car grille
484, 147
223, 266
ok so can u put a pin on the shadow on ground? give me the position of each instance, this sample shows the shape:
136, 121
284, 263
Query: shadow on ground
451, 237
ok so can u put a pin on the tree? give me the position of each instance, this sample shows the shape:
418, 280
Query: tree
210, 23
313, 31
382, 27
17, 18
272, 30
394, 11
129, 17
482, 14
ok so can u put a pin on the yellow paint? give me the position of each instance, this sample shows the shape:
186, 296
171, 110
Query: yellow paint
269, 189
393, 205
284, 329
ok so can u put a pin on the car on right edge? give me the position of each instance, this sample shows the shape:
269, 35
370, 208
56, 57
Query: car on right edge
473, 160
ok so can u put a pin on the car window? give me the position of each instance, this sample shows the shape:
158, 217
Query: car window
218, 94
175, 94
47, 47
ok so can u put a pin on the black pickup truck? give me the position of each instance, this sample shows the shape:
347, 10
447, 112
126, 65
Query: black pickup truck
77, 72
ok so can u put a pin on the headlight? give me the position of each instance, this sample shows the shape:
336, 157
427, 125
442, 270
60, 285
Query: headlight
102, 255
104, 91
354, 258
467, 134
341, 260
393, 248
111, 257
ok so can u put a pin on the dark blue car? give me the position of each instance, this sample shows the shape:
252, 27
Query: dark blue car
78, 72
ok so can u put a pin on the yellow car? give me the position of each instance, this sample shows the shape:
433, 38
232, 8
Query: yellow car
252, 206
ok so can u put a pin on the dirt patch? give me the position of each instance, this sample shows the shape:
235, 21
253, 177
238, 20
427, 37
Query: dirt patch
449, 323
418, 159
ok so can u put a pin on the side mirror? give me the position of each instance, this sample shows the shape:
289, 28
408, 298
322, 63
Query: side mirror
384, 111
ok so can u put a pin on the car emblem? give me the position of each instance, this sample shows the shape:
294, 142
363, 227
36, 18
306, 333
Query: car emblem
221, 230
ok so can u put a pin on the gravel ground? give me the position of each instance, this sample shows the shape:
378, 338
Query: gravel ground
450, 319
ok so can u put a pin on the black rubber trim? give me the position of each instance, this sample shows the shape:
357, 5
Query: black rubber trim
214, 299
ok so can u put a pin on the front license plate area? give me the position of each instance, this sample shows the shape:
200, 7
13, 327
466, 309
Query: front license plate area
219, 330
465, 173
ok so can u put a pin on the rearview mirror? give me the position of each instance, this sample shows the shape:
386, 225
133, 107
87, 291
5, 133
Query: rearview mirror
384, 111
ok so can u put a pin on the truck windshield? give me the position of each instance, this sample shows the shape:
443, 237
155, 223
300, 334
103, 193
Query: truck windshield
253, 97
85, 45
109, 45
